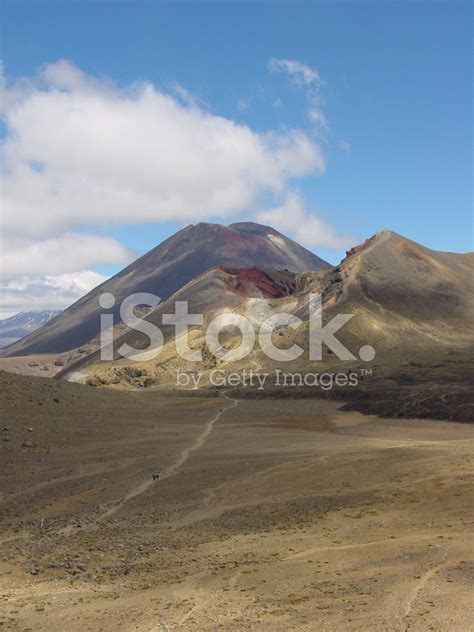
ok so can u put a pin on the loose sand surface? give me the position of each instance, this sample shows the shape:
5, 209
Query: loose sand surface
268, 514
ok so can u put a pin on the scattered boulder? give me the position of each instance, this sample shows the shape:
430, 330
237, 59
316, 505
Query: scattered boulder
147, 381
29, 443
135, 372
59, 362
98, 380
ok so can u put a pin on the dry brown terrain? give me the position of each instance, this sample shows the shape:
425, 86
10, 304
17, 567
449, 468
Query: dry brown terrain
36, 365
270, 514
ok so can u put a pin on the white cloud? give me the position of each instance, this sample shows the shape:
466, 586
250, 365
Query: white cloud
299, 73
308, 78
306, 228
79, 150
46, 292
68, 253
316, 115
65, 76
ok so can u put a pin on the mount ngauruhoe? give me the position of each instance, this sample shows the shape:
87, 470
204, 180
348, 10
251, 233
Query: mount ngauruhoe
166, 269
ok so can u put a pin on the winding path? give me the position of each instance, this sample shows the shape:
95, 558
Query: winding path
171, 470
413, 595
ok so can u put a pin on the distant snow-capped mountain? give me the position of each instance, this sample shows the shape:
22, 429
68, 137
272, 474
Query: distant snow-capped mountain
20, 325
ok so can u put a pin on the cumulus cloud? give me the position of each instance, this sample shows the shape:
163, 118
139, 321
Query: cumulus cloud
305, 227
46, 292
308, 78
68, 252
79, 150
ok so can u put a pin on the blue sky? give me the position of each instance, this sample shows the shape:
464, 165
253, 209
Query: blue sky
393, 85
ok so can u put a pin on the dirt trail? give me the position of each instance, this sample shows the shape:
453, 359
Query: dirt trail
423, 581
17, 536
172, 470
81, 474
342, 547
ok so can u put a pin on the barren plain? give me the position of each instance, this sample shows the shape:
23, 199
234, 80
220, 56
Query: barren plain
269, 514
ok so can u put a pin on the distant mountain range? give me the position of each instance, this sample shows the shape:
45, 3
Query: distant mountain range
404, 293
24, 323
413, 305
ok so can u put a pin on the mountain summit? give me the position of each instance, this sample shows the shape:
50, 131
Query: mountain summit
166, 269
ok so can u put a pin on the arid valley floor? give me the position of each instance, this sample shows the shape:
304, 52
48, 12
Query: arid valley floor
268, 515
